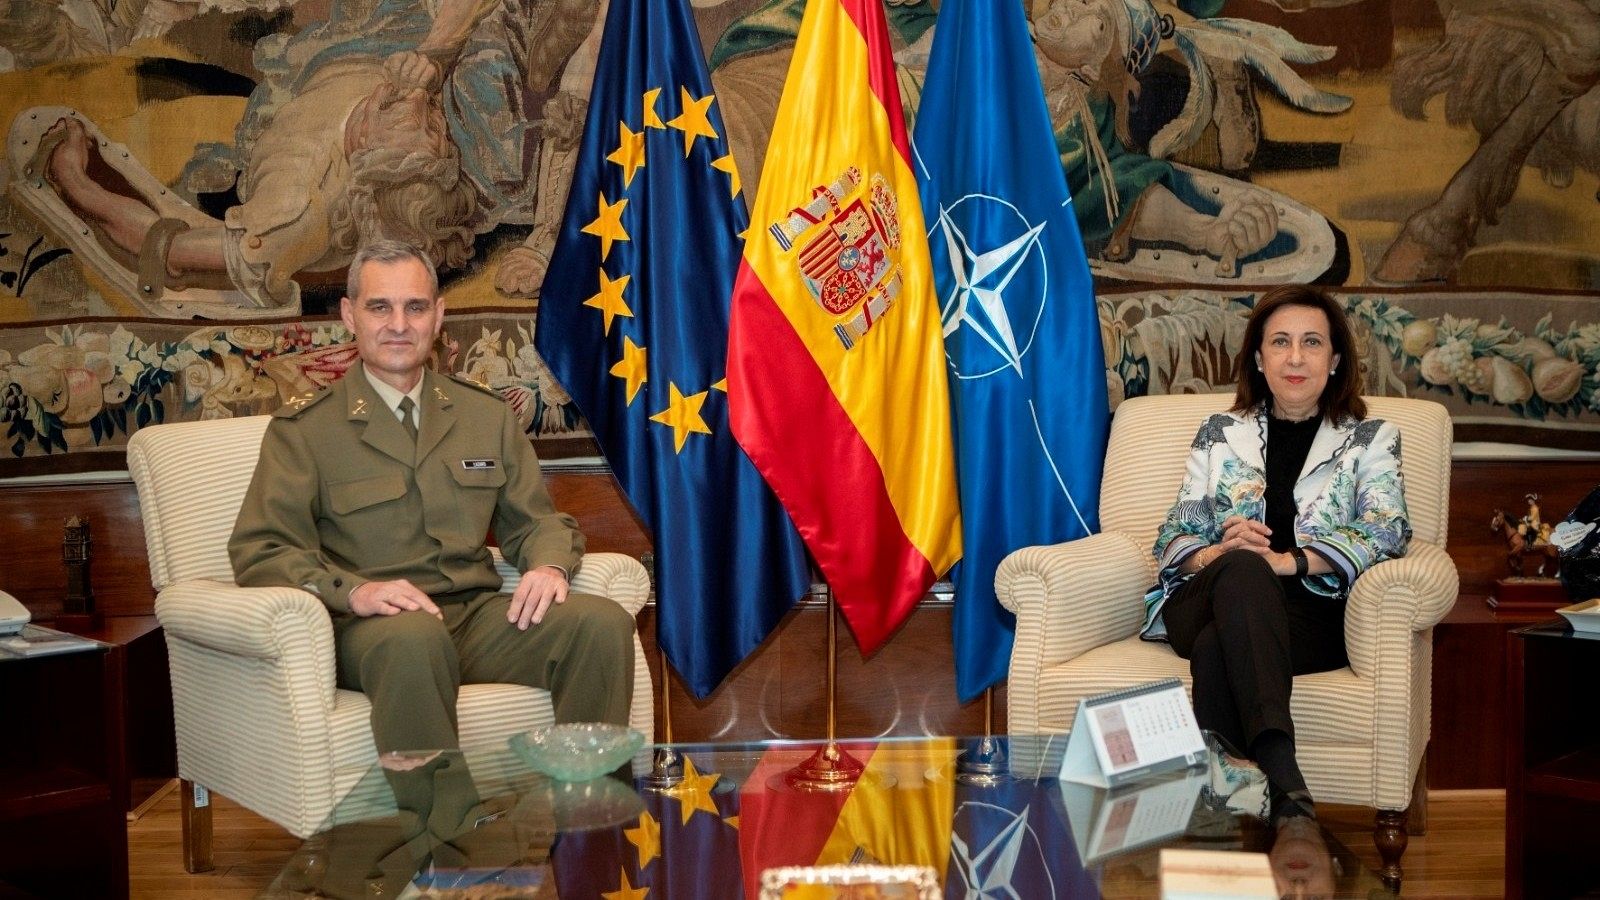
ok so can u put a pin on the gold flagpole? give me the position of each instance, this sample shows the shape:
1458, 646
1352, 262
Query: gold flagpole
666, 690
830, 768
985, 764
666, 766
833, 664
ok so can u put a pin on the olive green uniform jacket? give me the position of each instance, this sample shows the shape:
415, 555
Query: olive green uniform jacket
342, 496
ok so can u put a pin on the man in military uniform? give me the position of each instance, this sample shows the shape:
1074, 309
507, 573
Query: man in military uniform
376, 495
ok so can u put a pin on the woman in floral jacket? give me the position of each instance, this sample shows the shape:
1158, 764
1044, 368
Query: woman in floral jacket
1288, 497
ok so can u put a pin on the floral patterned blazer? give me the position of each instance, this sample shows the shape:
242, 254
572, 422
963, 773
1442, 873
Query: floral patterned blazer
1349, 496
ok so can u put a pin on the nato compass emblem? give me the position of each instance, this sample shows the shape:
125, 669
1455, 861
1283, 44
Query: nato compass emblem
998, 289
1005, 859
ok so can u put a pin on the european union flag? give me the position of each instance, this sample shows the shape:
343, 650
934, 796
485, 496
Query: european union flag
633, 319
1022, 338
684, 843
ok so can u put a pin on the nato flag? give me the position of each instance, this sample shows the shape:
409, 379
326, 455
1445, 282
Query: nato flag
1014, 839
1022, 338
633, 319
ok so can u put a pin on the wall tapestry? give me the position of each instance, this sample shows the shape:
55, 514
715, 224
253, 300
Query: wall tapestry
185, 181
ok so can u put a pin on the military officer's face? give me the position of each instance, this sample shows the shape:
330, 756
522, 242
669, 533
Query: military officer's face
395, 320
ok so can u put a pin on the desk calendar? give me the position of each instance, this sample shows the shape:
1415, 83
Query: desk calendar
1125, 735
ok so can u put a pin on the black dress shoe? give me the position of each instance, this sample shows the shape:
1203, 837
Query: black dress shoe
1291, 804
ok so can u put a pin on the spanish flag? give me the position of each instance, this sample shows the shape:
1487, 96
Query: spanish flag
898, 813
836, 367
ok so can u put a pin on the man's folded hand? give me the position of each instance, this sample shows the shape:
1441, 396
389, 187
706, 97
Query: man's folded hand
538, 589
388, 598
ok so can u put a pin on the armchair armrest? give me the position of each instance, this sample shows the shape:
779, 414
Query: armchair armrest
236, 620
1070, 598
1409, 594
270, 623
615, 575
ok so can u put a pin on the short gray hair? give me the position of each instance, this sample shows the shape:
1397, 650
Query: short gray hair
386, 251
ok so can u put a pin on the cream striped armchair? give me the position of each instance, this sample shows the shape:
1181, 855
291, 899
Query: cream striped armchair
259, 718
1361, 731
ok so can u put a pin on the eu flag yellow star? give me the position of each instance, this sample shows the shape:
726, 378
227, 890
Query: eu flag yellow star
721, 384
652, 119
607, 226
726, 164
626, 890
609, 300
694, 791
646, 838
632, 367
629, 153
682, 415
694, 121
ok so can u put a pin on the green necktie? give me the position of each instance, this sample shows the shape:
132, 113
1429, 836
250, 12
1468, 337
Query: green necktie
406, 406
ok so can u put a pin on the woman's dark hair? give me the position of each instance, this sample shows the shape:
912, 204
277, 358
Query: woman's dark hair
1341, 396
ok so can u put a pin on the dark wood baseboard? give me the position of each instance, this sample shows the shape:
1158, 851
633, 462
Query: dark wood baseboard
780, 691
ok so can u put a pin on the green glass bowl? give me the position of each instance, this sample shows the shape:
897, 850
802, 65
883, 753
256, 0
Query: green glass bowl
577, 751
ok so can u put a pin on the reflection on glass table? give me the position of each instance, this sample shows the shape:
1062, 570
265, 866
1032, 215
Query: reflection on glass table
487, 825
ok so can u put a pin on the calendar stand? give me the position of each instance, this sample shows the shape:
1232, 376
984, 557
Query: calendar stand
1126, 735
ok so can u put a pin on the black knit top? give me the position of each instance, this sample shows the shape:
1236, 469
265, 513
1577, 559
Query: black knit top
1288, 444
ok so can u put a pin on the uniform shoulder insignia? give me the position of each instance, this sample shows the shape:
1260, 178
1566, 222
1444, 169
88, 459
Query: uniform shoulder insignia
462, 379
299, 403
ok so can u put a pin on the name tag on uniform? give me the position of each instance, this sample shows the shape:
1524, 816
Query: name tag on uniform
475, 464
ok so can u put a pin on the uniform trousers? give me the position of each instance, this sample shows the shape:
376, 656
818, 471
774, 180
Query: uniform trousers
439, 818
1246, 633
411, 665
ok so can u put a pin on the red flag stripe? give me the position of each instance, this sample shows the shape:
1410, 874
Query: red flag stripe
868, 16
767, 358
787, 828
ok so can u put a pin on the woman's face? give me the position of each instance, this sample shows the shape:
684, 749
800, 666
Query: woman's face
1074, 34
1301, 863
1296, 356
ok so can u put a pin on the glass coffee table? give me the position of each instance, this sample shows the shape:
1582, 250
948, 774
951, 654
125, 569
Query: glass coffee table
980, 819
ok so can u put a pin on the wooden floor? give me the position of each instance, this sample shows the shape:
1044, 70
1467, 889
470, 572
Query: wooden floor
249, 851
1460, 857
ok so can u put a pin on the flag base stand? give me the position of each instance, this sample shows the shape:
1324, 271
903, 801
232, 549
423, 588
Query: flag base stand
983, 765
828, 770
831, 769
666, 764
666, 771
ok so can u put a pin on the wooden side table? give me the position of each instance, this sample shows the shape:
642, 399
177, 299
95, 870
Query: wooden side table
63, 775
1469, 676
150, 743
1552, 762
